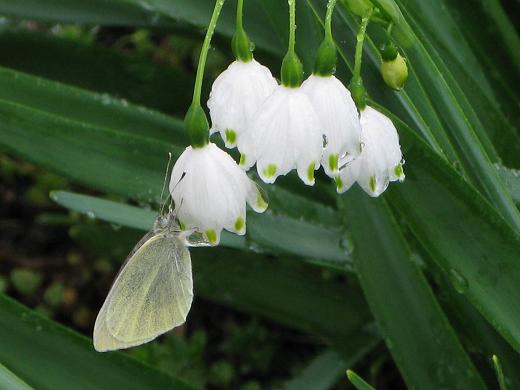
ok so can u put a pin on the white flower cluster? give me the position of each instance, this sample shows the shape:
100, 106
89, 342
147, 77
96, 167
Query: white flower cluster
279, 128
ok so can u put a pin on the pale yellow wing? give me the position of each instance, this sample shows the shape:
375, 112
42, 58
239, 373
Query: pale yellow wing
151, 295
103, 340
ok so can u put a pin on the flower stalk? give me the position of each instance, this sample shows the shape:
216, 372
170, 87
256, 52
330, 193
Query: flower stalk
196, 122
326, 58
240, 43
356, 85
292, 68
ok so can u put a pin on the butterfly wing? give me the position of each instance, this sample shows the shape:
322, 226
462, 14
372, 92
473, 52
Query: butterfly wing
103, 339
151, 295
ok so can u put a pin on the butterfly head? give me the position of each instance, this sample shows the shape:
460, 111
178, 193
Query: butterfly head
166, 223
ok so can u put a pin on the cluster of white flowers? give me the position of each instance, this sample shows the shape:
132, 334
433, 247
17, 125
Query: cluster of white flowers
284, 128
280, 128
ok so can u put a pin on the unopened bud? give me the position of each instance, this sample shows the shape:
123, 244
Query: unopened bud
395, 72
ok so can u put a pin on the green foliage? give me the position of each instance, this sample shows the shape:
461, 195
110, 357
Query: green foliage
105, 115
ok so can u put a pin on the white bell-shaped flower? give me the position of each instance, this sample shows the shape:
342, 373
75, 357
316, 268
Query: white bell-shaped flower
210, 192
284, 134
339, 117
380, 161
236, 95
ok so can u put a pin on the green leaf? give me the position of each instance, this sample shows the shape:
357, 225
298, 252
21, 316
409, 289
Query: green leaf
10, 381
358, 382
476, 333
122, 214
511, 178
54, 357
500, 374
94, 109
321, 374
274, 233
421, 340
435, 201
257, 284
152, 13
131, 77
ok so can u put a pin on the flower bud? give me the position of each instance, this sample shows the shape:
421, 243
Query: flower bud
359, 7
395, 72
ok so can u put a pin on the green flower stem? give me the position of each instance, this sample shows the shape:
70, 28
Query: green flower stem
240, 10
328, 18
240, 43
204, 51
326, 56
356, 86
360, 39
196, 122
292, 25
292, 68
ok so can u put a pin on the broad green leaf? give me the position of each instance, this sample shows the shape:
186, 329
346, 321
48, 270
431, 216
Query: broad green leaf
444, 211
449, 78
121, 214
9, 381
152, 13
92, 155
47, 355
131, 77
498, 53
321, 374
511, 178
285, 292
278, 233
89, 108
417, 332
476, 333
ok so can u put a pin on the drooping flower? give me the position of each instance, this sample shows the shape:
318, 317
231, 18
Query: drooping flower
210, 192
284, 134
339, 118
236, 95
380, 161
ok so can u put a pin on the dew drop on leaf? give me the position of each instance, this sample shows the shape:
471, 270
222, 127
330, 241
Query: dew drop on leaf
458, 281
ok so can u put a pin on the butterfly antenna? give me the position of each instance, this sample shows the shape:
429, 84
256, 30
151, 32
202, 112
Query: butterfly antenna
173, 189
165, 179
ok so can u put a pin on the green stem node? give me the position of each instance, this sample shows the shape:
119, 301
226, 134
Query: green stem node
292, 68
326, 57
240, 44
356, 86
195, 121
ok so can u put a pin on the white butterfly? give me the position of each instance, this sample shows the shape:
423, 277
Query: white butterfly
153, 292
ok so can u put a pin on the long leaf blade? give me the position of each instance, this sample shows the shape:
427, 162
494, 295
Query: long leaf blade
48, 356
424, 345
